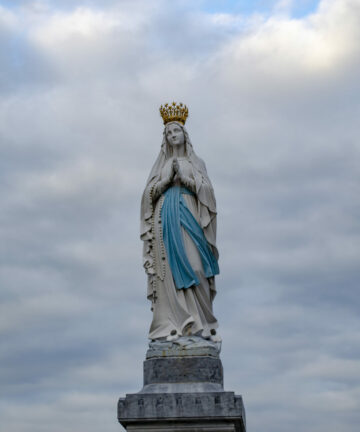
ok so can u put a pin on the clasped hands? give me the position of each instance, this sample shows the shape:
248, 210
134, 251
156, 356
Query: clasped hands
175, 171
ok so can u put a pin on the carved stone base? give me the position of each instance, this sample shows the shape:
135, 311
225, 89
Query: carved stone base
182, 394
215, 411
199, 426
182, 374
184, 427
184, 346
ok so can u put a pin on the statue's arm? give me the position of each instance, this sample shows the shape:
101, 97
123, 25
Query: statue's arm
188, 182
164, 182
158, 188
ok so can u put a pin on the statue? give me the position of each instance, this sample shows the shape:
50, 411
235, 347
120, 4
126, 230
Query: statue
178, 228
183, 374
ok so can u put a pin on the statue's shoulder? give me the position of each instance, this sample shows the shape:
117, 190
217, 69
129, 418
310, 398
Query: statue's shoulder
201, 163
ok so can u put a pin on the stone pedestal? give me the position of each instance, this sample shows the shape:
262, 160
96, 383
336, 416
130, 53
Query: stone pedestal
182, 393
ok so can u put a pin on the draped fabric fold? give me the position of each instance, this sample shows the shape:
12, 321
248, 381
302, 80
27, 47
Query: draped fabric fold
174, 214
178, 229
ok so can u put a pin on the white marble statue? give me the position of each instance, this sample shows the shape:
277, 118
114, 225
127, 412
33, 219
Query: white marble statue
178, 228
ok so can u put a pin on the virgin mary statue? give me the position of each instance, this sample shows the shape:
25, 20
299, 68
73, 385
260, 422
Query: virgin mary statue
178, 228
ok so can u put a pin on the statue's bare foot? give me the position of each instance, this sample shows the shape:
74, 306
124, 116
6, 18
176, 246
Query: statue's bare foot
214, 337
172, 336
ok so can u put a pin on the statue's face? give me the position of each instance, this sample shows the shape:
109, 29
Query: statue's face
175, 135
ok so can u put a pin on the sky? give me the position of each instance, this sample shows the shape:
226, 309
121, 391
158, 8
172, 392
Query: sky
273, 94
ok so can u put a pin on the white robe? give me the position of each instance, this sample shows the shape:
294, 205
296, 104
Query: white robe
187, 310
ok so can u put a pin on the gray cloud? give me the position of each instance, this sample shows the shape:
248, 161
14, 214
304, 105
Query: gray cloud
273, 111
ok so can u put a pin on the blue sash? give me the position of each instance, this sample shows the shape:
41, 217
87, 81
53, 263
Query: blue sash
174, 214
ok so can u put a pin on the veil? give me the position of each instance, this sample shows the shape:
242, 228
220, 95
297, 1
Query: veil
204, 194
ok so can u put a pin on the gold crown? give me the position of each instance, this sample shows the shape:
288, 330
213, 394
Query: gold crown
174, 112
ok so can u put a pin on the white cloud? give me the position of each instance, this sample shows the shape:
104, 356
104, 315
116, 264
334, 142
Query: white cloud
274, 113
8, 20
286, 48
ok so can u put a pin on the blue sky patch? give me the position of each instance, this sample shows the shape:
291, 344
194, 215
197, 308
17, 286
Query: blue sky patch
299, 8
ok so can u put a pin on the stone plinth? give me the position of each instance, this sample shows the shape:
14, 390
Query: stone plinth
183, 393
203, 411
184, 374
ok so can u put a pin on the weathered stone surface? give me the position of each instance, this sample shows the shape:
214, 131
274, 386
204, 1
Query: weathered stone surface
217, 411
184, 427
179, 406
183, 370
200, 426
184, 346
182, 394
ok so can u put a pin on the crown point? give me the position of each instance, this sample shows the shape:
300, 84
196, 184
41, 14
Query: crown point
174, 112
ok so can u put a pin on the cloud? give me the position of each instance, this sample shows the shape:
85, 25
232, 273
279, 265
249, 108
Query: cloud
274, 113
